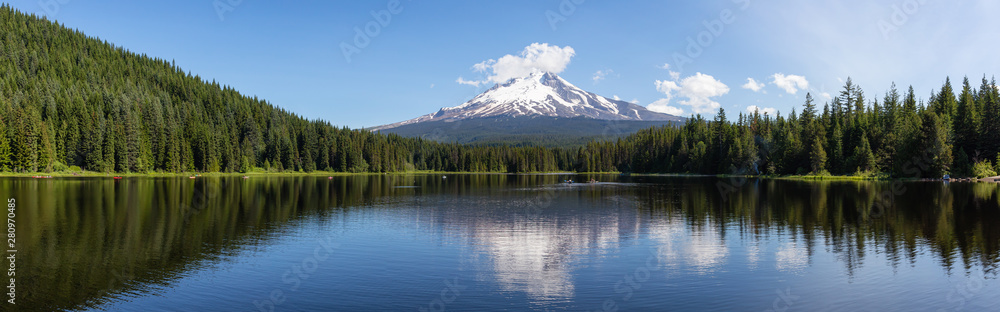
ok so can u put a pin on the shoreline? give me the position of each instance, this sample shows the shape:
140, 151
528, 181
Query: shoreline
816, 178
251, 174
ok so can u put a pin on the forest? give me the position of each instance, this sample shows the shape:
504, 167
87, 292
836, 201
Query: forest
899, 136
69, 102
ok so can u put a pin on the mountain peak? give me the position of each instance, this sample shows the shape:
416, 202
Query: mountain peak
540, 94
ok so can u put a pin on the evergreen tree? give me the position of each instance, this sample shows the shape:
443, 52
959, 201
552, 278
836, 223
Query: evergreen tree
934, 139
944, 104
113, 110
968, 122
5, 154
817, 156
989, 139
864, 159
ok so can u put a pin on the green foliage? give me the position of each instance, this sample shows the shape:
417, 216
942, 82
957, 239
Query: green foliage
863, 156
68, 99
71, 100
851, 136
934, 141
818, 157
59, 167
983, 169
245, 165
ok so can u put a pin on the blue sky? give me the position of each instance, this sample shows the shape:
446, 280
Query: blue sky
292, 53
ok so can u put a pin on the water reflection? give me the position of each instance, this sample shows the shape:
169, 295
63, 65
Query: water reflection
92, 241
791, 257
533, 258
537, 250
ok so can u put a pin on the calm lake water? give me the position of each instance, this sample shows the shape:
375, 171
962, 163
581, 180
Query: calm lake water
504, 242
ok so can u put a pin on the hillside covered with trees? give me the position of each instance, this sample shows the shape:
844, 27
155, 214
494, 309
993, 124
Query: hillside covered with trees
71, 100
900, 135
67, 99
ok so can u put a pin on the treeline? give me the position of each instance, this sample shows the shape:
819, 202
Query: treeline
72, 102
68, 100
949, 133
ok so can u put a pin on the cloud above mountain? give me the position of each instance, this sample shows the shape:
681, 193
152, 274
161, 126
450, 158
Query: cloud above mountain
534, 57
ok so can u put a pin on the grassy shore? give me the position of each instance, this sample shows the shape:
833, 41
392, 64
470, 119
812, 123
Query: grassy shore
254, 173
809, 177
836, 177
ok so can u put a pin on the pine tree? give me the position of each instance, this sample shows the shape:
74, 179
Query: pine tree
968, 122
934, 141
817, 156
808, 112
989, 140
944, 104
837, 158
5, 154
864, 159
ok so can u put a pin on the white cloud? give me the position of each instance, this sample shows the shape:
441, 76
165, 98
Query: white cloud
753, 85
617, 98
698, 91
473, 83
790, 83
432, 86
535, 57
763, 110
663, 106
667, 87
483, 66
601, 74
673, 75
825, 96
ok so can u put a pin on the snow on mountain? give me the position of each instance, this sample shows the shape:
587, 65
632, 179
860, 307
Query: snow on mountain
540, 94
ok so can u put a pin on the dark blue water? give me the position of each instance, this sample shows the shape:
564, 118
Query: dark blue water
497, 242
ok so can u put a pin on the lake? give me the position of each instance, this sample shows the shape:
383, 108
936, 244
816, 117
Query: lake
504, 242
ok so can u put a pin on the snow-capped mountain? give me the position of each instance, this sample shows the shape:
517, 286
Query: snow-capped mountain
539, 94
